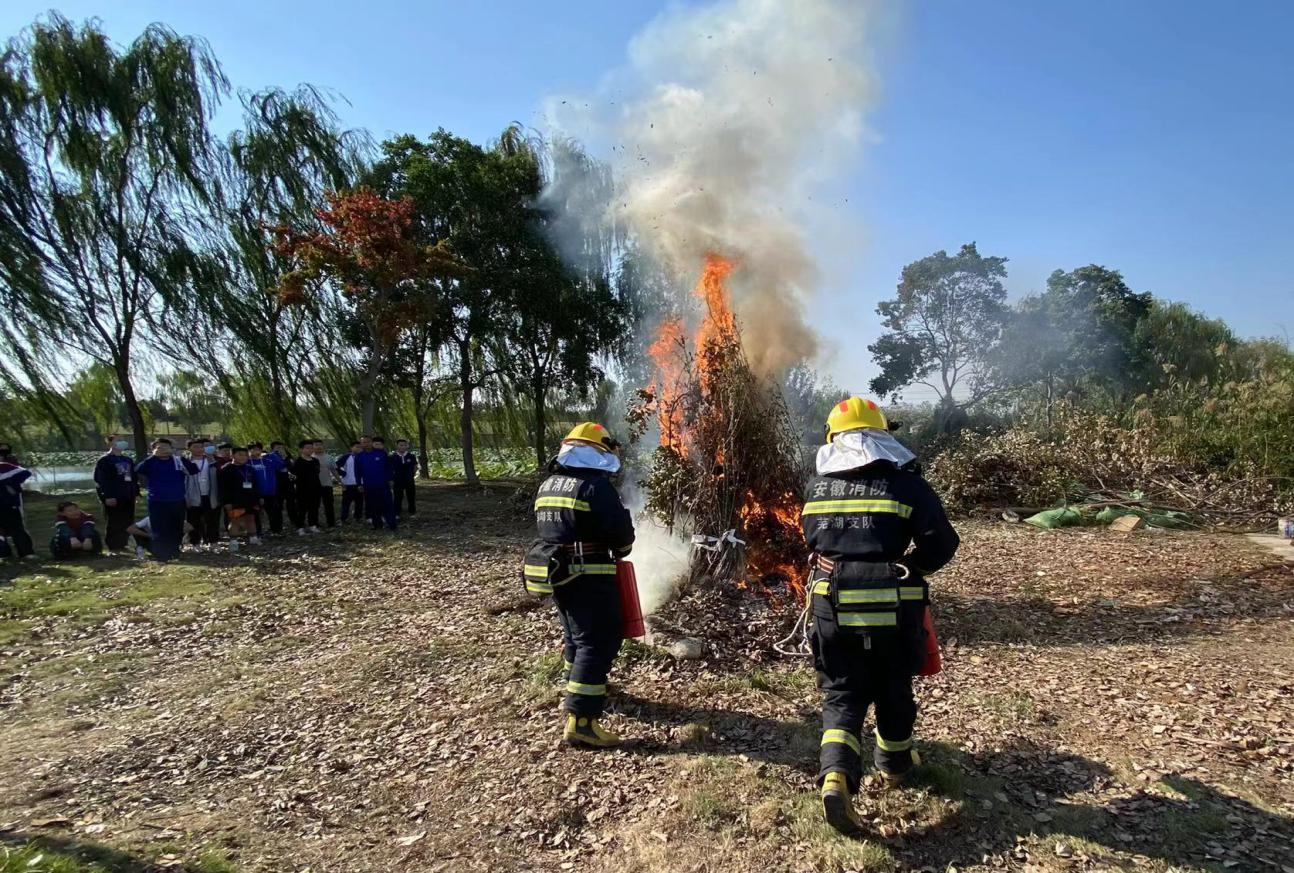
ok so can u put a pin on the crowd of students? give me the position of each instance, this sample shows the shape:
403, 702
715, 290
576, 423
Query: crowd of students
217, 496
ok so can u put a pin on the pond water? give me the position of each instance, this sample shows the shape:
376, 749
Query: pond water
61, 480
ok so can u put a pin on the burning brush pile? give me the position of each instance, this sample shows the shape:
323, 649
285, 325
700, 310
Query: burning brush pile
728, 470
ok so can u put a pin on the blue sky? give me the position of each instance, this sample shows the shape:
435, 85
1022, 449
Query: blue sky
1153, 137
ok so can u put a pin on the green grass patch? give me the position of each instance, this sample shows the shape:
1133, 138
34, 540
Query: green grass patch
50, 855
86, 595
1015, 706
787, 684
828, 850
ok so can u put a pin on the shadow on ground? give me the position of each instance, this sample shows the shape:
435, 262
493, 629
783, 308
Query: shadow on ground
24, 850
1002, 796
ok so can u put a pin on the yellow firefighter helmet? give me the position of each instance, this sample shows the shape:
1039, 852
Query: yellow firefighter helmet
853, 414
593, 434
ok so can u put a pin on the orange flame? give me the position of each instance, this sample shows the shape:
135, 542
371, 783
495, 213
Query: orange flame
770, 526
667, 351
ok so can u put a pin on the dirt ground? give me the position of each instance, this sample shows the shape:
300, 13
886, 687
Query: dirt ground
361, 701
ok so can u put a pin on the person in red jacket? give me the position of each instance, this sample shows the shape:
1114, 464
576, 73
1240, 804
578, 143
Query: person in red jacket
74, 532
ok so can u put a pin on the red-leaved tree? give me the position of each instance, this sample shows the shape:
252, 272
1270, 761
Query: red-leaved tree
368, 249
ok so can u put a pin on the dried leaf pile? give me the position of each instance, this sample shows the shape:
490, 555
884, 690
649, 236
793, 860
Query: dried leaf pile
372, 703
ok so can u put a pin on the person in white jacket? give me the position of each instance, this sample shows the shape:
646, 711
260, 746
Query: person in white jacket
352, 488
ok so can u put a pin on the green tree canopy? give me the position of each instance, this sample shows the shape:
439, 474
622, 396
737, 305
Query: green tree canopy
944, 325
106, 162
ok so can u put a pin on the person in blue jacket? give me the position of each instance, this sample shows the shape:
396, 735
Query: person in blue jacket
375, 473
12, 523
267, 469
165, 475
114, 479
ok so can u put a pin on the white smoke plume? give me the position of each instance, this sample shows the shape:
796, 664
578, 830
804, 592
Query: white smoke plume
738, 112
660, 561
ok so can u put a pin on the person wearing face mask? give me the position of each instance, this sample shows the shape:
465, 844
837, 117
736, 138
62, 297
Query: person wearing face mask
114, 479
166, 477
202, 494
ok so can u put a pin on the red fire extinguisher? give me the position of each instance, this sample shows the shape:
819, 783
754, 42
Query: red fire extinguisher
630, 608
932, 663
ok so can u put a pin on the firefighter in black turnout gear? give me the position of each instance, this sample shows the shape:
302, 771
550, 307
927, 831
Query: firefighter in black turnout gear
876, 530
583, 529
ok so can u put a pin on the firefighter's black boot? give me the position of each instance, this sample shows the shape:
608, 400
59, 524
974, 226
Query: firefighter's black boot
894, 780
588, 733
838, 805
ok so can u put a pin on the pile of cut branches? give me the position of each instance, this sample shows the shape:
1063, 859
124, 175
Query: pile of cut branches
728, 460
1094, 460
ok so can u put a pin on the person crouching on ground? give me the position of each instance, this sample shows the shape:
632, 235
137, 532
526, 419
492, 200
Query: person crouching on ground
74, 532
864, 510
583, 528
240, 498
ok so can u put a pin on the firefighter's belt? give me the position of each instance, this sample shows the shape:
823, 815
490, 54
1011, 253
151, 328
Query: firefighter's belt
828, 566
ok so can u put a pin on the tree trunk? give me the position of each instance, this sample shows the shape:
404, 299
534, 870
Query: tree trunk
133, 411
367, 387
537, 395
279, 411
419, 407
465, 384
424, 468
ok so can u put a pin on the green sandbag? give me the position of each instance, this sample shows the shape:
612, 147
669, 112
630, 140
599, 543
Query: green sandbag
1050, 519
1173, 520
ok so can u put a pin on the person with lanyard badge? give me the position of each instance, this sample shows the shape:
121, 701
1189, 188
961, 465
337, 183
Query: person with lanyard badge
240, 498
114, 479
13, 523
203, 496
352, 486
166, 476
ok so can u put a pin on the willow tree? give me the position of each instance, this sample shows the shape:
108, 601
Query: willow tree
566, 316
106, 162
276, 169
